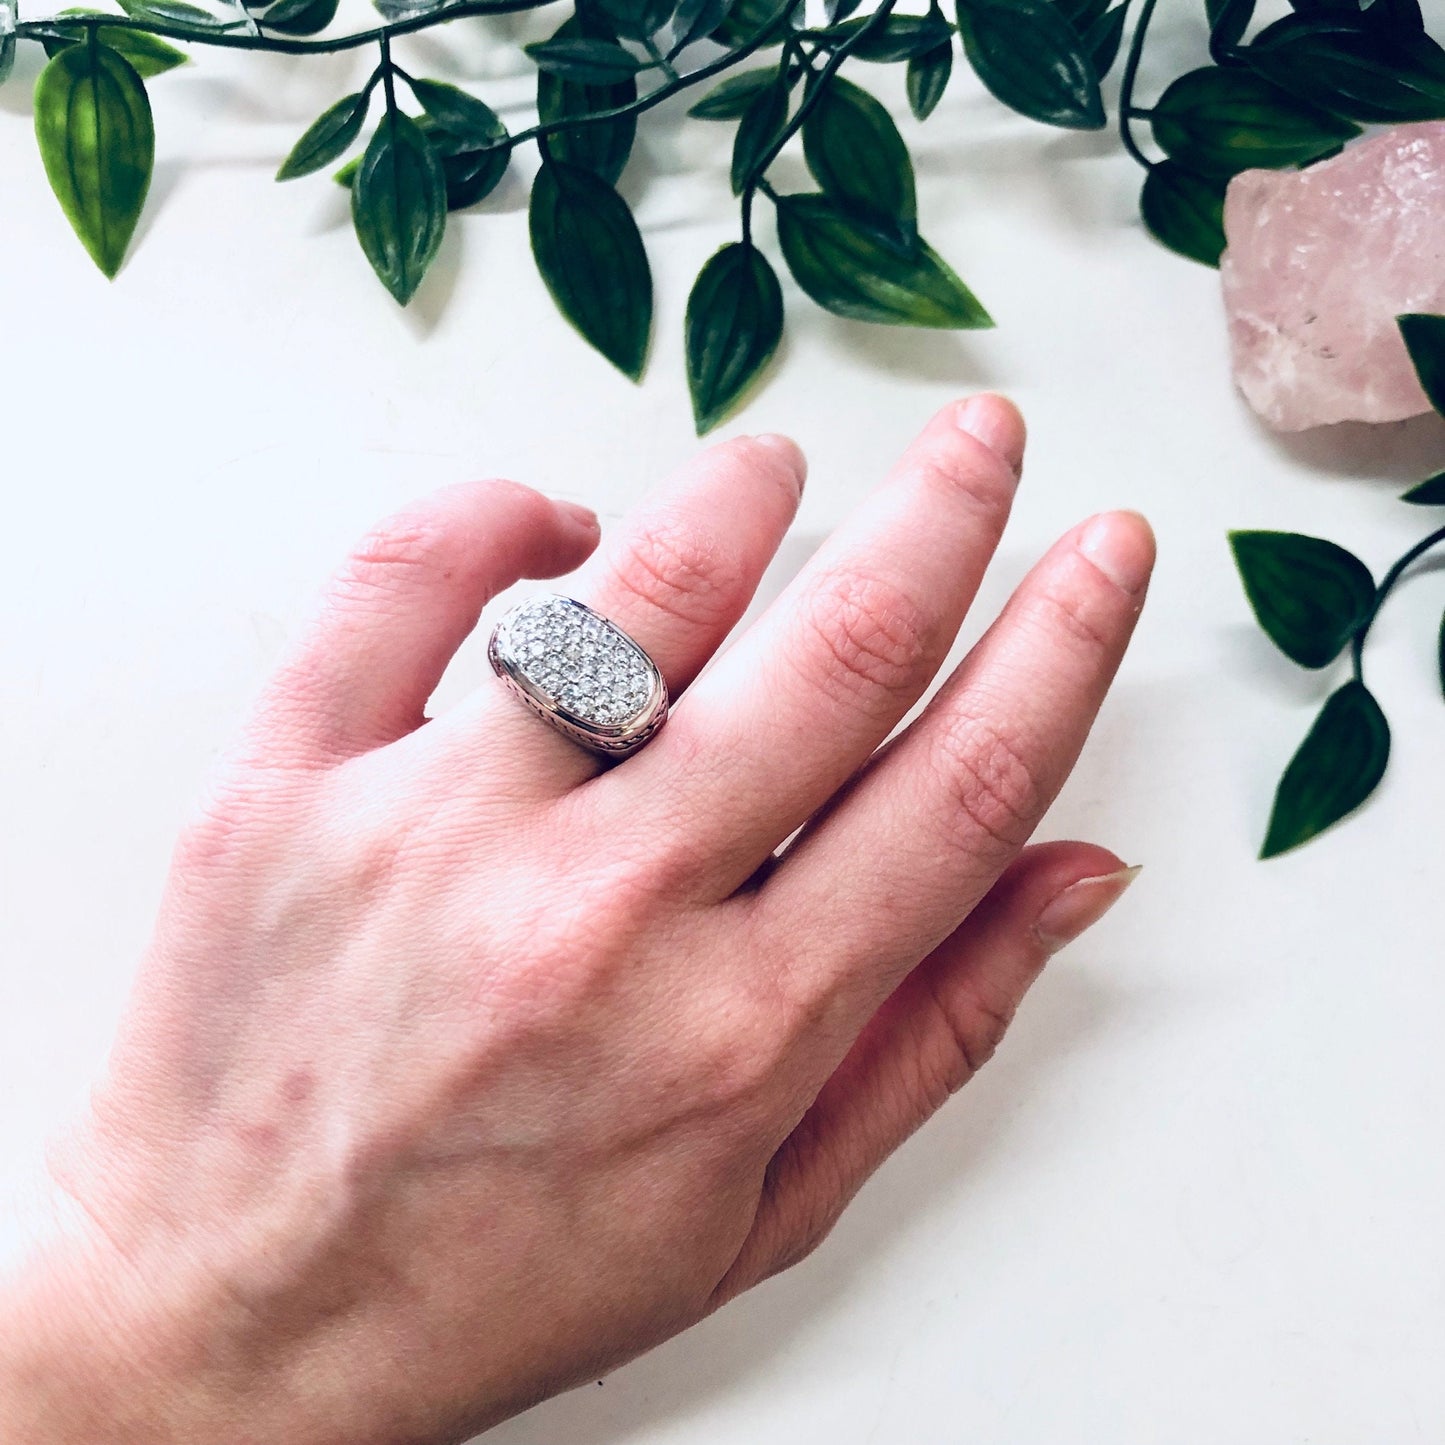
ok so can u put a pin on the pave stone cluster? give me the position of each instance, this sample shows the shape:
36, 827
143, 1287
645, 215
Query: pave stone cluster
580, 661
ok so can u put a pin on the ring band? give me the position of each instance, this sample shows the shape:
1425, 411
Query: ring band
580, 673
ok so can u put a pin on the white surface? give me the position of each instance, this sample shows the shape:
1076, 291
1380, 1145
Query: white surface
1197, 1198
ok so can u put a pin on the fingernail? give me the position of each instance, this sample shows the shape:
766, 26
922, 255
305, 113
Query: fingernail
1080, 906
789, 451
1121, 546
584, 517
996, 422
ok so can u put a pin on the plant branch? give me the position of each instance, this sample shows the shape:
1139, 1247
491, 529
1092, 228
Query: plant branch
64, 29
816, 86
1127, 111
1387, 584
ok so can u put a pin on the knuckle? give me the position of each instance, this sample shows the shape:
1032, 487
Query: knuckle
972, 1027
1070, 612
395, 555
970, 471
871, 636
680, 570
988, 784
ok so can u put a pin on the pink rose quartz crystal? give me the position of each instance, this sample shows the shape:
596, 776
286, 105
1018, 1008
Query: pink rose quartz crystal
1319, 263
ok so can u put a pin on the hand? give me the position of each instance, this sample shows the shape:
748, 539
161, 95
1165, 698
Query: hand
462, 1068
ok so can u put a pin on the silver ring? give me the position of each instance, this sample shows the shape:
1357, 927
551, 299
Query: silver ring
580, 673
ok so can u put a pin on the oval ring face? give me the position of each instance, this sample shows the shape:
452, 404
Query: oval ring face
580, 672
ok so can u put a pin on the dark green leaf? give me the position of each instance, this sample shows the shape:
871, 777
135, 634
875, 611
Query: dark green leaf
696, 19
93, 124
1228, 20
1429, 493
300, 17
765, 116
1337, 767
1309, 595
601, 147
1425, 341
171, 12
734, 323
899, 37
399, 204
1225, 120
329, 136
1029, 56
1185, 211
857, 156
836, 10
591, 256
148, 54
730, 98
1081, 13
637, 19
590, 62
471, 169
928, 76
850, 268
748, 19
1102, 39
1342, 69
458, 113
1440, 653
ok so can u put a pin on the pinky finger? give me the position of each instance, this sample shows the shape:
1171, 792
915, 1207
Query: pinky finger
929, 1039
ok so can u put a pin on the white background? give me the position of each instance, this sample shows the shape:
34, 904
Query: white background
1197, 1198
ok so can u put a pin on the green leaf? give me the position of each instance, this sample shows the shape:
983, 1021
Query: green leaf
747, 20
1228, 20
1425, 341
1185, 211
458, 113
171, 12
899, 37
851, 269
637, 19
1081, 13
1342, 69
148, 54
1440, 654
1309, 595
590, 62
601, 146
1337, 767
734, 324
696, 19
1028, 55
300, 17
730, 98
928, 76
1429, 493
471, 173
1220, 121
1102, 39
858, 158
591, 256
399, 204
97, 140
330, 135
765, 116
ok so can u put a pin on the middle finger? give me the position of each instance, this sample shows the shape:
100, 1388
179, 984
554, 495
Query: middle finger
784, 717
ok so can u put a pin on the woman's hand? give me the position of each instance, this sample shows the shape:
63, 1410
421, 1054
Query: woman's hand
463, 1068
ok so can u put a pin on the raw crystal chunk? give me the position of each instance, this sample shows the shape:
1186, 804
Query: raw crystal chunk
1319, 263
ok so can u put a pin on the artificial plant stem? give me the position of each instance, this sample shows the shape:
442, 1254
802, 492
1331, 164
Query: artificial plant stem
816, 86
388, 74
660, 60
1387, 583
1127, 111
61, 29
